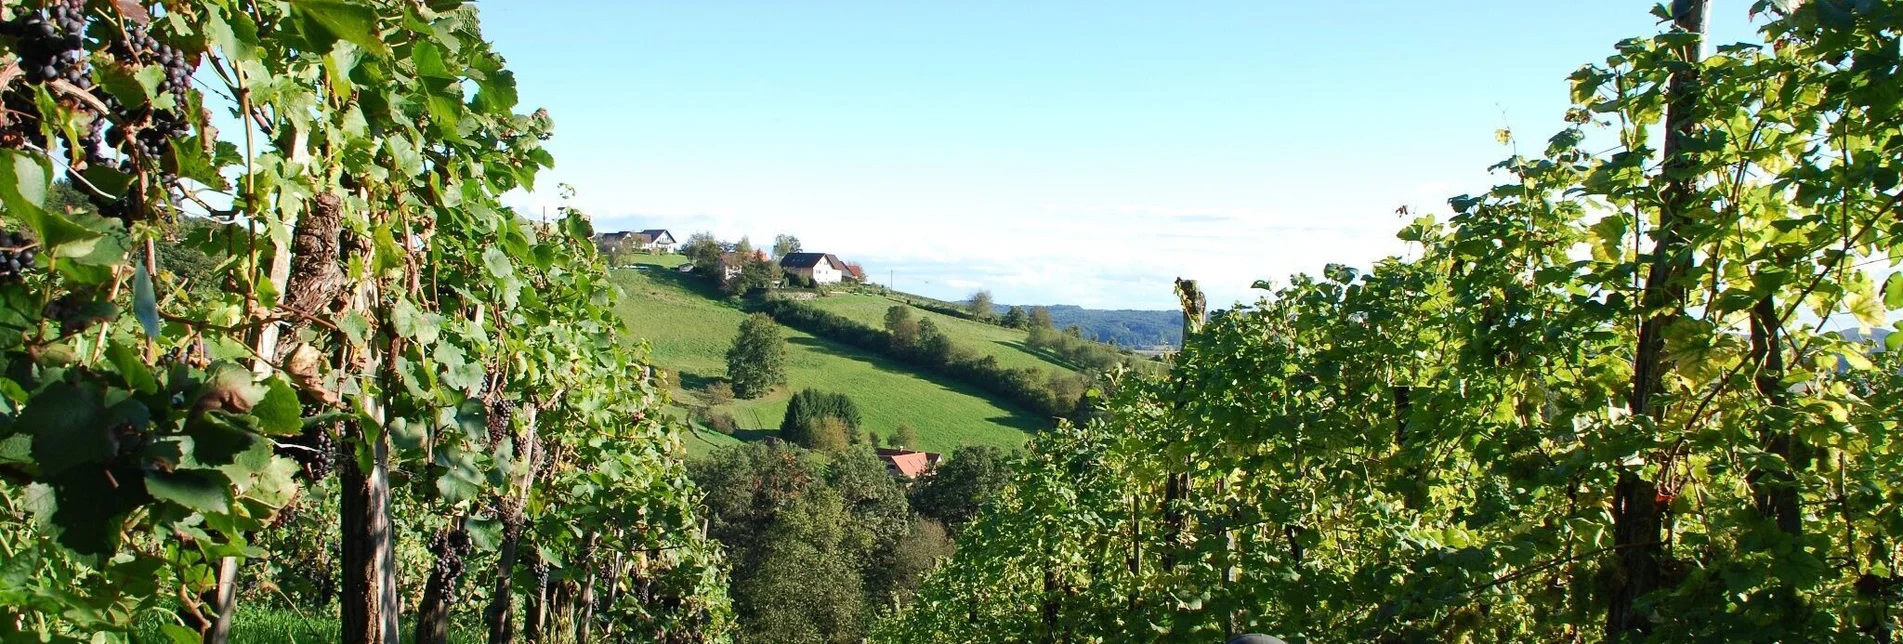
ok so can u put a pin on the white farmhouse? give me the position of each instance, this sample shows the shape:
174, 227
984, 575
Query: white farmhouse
655, 240
821, 268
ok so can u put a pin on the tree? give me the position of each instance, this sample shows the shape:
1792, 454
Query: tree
784, 245
1040, 318
828, 435
814, 538
809, 409
1015, 318
705, 252
933, 346
971, 476
916, 553
902, 327
979, 304
715, 394
906, 436
757, 360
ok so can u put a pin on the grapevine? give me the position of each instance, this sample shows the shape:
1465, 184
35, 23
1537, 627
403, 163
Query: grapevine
1462, 444
157, 436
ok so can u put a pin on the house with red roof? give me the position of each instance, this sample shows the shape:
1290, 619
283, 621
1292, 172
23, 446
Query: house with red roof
907, 463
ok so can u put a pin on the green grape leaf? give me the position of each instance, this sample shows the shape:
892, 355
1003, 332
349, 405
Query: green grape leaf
69, 428
485, 534
1868, 308
229, 387
90, 502
1893, 290
205, 491
497, 262
462, 481
126, 361
16, 449
347, 21
355, 327
121, 83
216, 441
279, 413
473, 418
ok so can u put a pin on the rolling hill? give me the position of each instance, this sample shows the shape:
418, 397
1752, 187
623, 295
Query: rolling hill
688, 329
1128, 328
1007, 345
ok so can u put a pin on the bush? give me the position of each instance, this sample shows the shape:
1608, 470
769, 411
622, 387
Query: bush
717, 420
715, 394
810, 409
906, 436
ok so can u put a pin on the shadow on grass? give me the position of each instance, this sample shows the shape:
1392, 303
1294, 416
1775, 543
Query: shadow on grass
690, 282
1042, 354
691, 381
1020, 418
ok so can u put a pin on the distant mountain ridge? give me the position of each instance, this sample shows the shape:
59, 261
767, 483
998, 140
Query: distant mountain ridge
1126, 327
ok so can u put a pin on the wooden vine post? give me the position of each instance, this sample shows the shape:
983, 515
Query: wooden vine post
1176, 489
1638, 515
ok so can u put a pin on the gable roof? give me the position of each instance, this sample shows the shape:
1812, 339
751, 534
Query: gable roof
809, 260
907, 463
644, 236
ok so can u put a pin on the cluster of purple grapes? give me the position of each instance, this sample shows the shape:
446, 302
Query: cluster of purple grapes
140, 46
128, 438
162, 126
53, 42
500, 412
318, 453
69, 311
539, 570
16, 255
449, 546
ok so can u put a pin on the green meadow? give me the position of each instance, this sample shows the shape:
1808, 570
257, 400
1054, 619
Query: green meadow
688, 327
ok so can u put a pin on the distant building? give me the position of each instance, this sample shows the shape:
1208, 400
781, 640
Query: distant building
655, 240
855, 273
821, 268
908, 463
733, 264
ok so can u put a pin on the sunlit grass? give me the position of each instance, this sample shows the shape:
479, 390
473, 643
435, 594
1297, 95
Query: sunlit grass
689, 330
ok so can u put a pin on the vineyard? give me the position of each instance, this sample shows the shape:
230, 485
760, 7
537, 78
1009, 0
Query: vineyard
1616, 398
399, 406
1607, 400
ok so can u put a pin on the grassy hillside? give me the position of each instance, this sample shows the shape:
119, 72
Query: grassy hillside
987, 339
689, 331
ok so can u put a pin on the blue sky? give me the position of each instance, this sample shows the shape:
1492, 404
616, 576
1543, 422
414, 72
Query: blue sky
1051, 152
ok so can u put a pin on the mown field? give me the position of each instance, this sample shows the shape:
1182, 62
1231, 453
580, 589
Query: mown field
688, 331
1007, 345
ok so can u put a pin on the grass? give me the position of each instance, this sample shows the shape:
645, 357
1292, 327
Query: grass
688, 329
266, 625
663, 261
1007, 345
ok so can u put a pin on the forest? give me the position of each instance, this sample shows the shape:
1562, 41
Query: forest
1634, 392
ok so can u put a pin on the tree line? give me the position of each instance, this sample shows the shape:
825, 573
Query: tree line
919, 342
826, 542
